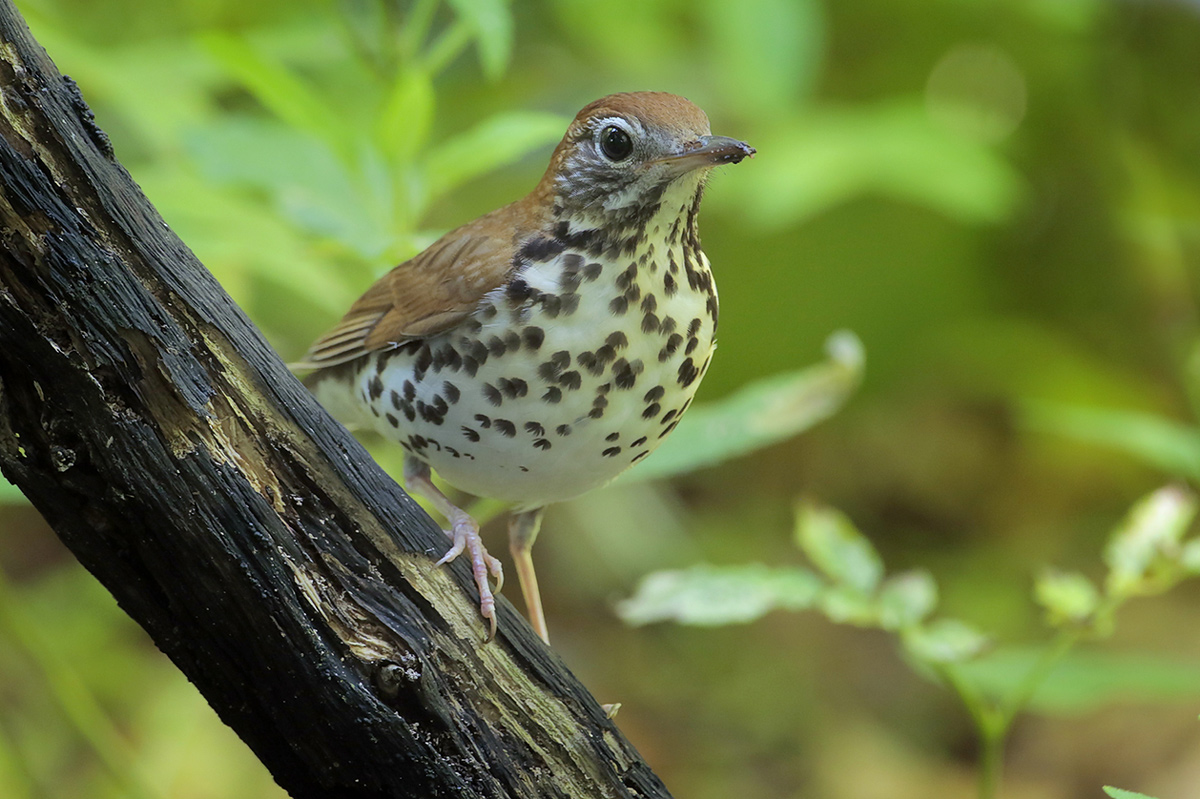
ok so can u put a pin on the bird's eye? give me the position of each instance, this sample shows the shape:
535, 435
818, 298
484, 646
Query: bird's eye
615, 143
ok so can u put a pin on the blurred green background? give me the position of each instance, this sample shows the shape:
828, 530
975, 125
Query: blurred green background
1001, 198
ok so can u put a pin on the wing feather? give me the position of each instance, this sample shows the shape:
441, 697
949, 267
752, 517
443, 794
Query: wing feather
426, 295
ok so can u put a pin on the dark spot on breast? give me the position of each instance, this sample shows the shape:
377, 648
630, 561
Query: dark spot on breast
600, 401
670, 287
711, 307
639, 442
691, 345
553, 395
451, 391
611, 437
410, 413
505, 427
476, 349
654, 394
513, 387
492, 394
534, 429
393, 421
687, 373
570, 304
586, 359
649, 323
484, 421
592, 271
395, 398
542, 444
670, 427
668, 416
617, 340
487, 312
375, 388
649, 304
596, 413
633, 293
410, 390
611, 451
533, 337
563, 430
627, 277
606, 353
671, 346
571, 380
640, 455
470, 365
618, 306
651, 410
551, 305
469, 433
541, 249
496, 346
694, 326
668, 325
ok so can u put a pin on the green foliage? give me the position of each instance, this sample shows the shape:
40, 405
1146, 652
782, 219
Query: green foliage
1145, 554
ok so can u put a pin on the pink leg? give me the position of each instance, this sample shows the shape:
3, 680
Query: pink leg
464, 536
522, 530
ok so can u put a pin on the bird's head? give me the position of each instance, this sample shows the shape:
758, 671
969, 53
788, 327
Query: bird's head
626, 155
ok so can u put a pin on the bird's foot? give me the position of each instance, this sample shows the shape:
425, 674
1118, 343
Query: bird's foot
464, 537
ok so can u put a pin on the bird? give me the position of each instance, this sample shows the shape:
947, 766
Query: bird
539, 351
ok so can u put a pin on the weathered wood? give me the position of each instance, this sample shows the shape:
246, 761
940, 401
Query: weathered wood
252, 537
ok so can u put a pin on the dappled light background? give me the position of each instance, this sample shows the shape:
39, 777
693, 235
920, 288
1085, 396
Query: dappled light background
1000, 199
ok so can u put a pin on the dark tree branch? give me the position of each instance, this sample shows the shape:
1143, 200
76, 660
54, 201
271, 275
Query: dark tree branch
255, 540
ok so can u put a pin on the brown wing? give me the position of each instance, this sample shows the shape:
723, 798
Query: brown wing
423, 296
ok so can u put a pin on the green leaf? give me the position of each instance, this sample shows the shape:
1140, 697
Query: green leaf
906, 599
944, 641
1068, 597
844, 604
1153, 440
823, 158
273, 85
1120, 793
491, 25
495, 142
1086, 681
1150, 532
718, 595
406, 116
761, 414
837, 548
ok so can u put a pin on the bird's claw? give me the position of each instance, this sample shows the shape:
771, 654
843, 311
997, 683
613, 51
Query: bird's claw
464, 537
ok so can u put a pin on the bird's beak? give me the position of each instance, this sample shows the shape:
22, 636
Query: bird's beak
708, 151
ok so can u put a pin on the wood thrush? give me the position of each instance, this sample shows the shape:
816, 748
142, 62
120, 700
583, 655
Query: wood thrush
539, 351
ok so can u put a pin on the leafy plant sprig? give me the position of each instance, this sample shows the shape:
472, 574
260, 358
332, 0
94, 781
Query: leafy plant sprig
1145, 555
